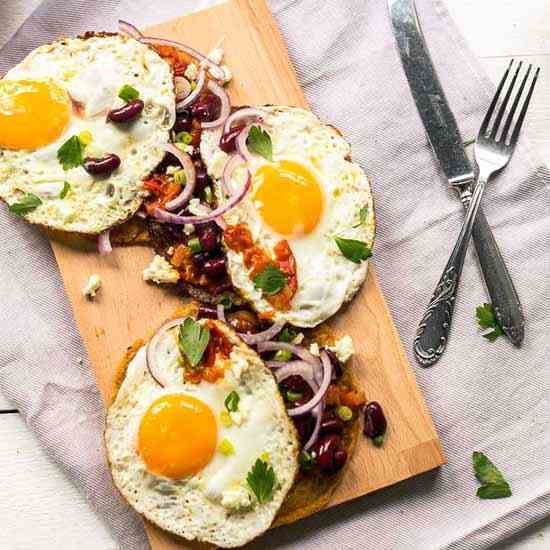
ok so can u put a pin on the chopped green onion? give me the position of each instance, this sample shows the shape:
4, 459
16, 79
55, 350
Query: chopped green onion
225, 419
184, 137
195, 245
344, 413
283, 355
179, 177
307, 460
293, 396
226, 447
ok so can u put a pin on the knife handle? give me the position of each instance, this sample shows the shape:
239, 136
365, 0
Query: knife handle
499, 284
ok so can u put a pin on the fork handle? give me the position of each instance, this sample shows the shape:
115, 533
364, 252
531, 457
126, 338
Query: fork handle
499, 284
432, 334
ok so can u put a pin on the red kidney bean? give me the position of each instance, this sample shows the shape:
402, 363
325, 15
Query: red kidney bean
201, 176
340, 458
206, 108
324, 451
214, 267
201, 258
184, 122
101, 166
228, 141
337, 369
294, 383
375, 420
243, 320
208, 236
332, 425
305, 425
207, 312
127, 112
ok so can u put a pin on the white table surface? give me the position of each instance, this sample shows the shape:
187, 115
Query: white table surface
40, 508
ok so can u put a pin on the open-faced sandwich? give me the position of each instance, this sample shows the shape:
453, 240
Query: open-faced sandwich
211, 442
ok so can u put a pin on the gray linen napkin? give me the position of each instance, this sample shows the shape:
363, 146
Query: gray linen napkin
487, 397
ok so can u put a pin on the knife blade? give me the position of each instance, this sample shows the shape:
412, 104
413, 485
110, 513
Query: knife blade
445, 140
438, 119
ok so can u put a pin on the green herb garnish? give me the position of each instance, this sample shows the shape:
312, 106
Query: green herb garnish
287, 335
128, 93
65, 190
184, 137
71, 153
293, 396
261, 479
232, 401
271, 280
493, 484
355, 251
195, 245
306, 460
487, 319
192, 341
363, 213
226, 301
27, 204
259, 141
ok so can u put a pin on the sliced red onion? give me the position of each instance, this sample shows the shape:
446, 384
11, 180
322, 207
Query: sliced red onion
299, 351
165, 216
152, 366
193, 96
264, 336
221, 313
237, 116
230, 164
129, 30
183, 88
242, 147
104, 243
315, 400
218, 90
318, 413
215, 70
300, 368
190, 177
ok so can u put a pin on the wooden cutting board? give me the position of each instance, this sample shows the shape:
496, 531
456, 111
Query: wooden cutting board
127, 308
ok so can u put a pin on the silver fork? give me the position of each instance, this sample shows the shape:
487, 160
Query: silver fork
493, 151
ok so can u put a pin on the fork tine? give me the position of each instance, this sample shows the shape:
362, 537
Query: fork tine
489, 114
521, 118
510, 117
504, 104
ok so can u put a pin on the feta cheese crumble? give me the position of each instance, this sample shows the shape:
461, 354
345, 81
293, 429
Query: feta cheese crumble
314, 349
160, 271
92, 286
343, 348
191, 72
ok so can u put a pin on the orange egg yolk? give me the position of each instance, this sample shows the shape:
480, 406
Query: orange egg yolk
290, 198
32, 114
177, 436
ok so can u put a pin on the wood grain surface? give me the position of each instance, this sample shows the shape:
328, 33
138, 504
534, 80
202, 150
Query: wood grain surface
127, 308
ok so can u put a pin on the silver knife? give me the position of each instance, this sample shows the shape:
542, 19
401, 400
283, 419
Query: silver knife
447, 144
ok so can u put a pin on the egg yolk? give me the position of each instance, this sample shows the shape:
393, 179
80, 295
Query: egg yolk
177, 436
290, 198
32, 114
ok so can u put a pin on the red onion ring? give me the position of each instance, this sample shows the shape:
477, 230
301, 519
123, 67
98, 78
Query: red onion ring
165, 216
299, 351
225, 111
300, 368
129, 30
190, 177
318, 413
242, 147
221, 313
183, 88
237, 116
316, 399
152, 366
264, 336
215, 70
104, 243
193, 96
230, 165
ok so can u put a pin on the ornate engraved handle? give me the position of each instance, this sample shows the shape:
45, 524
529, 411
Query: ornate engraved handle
432, 334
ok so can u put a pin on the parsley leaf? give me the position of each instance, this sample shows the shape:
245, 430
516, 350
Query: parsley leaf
493, 483
261, 479
259, 141
65, 190
232, 401
192, 340
70, 154
27, 204
271, 280
487, 319
128, 93
363, 213
355, 251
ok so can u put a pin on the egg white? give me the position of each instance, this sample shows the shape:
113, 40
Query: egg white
326, 279
195, 507
93, 70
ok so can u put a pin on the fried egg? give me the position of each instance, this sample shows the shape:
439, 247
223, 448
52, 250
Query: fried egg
66, 89
180, 458
310, 194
